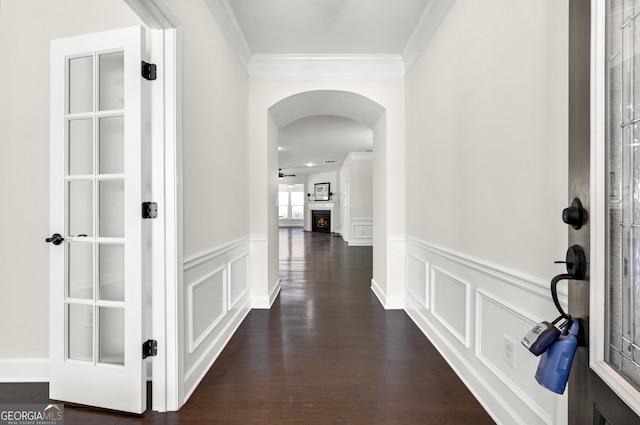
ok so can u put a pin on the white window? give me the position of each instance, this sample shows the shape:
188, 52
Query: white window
291, 201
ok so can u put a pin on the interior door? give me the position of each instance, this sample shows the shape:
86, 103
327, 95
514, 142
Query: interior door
602, 49
99, 264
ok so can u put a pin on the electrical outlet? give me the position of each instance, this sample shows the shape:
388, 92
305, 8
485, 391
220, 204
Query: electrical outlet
88, 317
509, 351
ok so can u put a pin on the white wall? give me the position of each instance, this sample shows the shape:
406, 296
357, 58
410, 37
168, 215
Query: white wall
356, 199
215, 133
486, 181
26, 28
330, 177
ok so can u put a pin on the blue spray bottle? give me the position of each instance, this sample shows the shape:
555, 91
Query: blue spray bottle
555, 363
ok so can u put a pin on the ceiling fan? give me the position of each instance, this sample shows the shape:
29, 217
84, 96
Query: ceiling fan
281, 175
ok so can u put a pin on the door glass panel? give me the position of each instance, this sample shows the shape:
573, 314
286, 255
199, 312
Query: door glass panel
111, 81
80, 270
112, 145
81, 84
623, 149
112, 272
80, 208
111, 336
80, 147
80, 332
111, 208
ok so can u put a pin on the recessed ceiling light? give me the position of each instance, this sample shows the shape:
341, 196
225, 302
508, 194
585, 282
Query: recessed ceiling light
309, 164
280, 148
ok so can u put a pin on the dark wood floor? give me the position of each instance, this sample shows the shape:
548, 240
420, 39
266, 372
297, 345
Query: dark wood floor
327, 353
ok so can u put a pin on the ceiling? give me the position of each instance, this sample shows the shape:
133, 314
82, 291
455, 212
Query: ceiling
327, 26
326, 39
321, 140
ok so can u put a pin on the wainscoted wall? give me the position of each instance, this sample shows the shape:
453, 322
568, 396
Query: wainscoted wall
474, 313
216, 300
361, 233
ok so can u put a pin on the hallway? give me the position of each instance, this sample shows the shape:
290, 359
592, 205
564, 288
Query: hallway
327, 353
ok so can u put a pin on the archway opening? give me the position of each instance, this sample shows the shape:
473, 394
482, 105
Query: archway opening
364, 115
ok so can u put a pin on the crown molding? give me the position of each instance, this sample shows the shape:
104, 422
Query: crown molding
275, 66
154, 13
326, 66
226, 19
422, 34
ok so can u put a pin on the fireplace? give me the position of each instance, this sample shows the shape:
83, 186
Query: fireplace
321, 221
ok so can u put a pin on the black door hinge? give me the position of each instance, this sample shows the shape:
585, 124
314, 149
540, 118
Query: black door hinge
149, 71
149, 210
150, 348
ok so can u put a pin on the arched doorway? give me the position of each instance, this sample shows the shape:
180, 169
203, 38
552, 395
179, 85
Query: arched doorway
284, 109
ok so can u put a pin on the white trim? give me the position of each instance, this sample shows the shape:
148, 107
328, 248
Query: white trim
167, 175
490, 388
194, 343
510, 276
424, 31
154, 13
265, 66
515, 388
464, 339
218, 344
24, 370
456, 361
226, 19
206, 256
358, 240
293, 66
597, 300
389, 303
425, 300
232, 302
267, 302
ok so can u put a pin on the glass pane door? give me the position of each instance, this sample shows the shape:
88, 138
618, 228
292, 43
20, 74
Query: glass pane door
95, 209
623, 145
100, 175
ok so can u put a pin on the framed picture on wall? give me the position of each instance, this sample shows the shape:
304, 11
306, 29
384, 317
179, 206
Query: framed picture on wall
321, 191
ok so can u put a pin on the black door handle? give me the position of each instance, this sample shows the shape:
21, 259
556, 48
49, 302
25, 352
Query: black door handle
56, 239
576, 262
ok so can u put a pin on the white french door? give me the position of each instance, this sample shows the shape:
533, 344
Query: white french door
99, 262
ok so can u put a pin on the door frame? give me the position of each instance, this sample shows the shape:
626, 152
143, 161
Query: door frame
165, 34
598, 331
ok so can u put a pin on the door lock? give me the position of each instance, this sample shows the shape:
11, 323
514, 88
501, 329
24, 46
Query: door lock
55, 239
575, 214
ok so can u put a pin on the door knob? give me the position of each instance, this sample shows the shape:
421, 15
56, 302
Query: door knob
574, 215
56, 239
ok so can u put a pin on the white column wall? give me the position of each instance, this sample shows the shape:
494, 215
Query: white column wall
215, 194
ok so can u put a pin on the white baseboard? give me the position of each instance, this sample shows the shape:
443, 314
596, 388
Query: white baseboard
267, 302
389, 303
360, 242
24, 370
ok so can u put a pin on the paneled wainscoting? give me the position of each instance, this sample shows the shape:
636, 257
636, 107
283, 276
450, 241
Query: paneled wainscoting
361, 232
473, 312
216, 300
